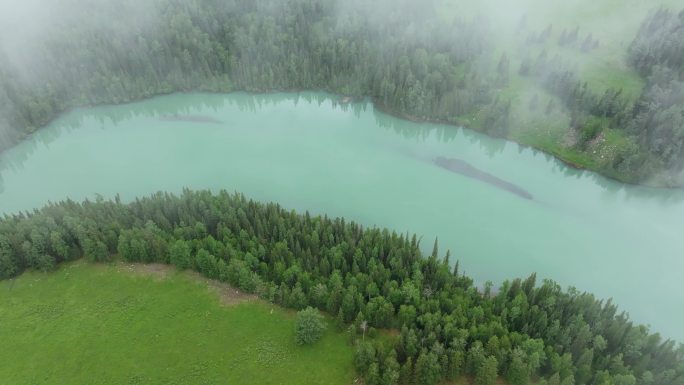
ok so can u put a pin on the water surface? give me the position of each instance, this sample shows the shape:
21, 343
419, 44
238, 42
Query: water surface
309, 153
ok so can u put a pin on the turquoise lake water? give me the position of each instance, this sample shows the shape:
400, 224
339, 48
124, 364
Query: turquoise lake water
307, 152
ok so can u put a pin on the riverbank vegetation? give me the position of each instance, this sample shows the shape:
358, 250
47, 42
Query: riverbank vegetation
565, 86
368, 278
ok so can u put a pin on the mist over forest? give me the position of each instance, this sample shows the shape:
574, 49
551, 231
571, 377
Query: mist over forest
597, 84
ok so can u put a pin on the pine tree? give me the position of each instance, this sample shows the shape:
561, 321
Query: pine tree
518, 371
406, 373
390, 369
427, 370
339, 321
486, 373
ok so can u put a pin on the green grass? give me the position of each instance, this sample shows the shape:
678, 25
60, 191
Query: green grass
97, 324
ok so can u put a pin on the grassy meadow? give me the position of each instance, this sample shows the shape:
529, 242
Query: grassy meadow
612, 23
121, 324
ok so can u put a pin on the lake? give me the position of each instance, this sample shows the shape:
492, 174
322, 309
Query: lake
308, 152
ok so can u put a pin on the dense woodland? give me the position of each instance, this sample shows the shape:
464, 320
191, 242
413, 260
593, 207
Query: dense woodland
657, 119
409, 60
368, 278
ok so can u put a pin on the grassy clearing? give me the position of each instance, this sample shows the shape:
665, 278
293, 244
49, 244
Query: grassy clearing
100, 324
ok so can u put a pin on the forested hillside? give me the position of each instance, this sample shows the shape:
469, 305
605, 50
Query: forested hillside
404, 54
369, 278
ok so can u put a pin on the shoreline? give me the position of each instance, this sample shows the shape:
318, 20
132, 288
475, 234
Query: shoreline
343, 99
402, 115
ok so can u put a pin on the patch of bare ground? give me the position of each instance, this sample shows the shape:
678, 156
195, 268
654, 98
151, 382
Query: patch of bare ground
599, 139
570, 139
227, 294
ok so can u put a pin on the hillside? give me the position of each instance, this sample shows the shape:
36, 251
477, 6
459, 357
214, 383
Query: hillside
592, 41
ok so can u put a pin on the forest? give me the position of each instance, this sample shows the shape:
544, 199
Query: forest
411, 61
370, 279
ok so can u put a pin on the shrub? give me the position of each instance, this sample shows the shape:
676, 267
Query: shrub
309, 326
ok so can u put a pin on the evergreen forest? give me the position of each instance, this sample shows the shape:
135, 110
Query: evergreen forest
369, 278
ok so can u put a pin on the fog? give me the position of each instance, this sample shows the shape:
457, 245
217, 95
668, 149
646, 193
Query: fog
53, 47
597, 84
30, 28
27, 26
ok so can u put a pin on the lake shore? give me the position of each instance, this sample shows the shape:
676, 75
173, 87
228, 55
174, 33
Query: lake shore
343, 99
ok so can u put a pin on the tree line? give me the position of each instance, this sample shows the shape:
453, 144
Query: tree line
407, 62
369, 279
